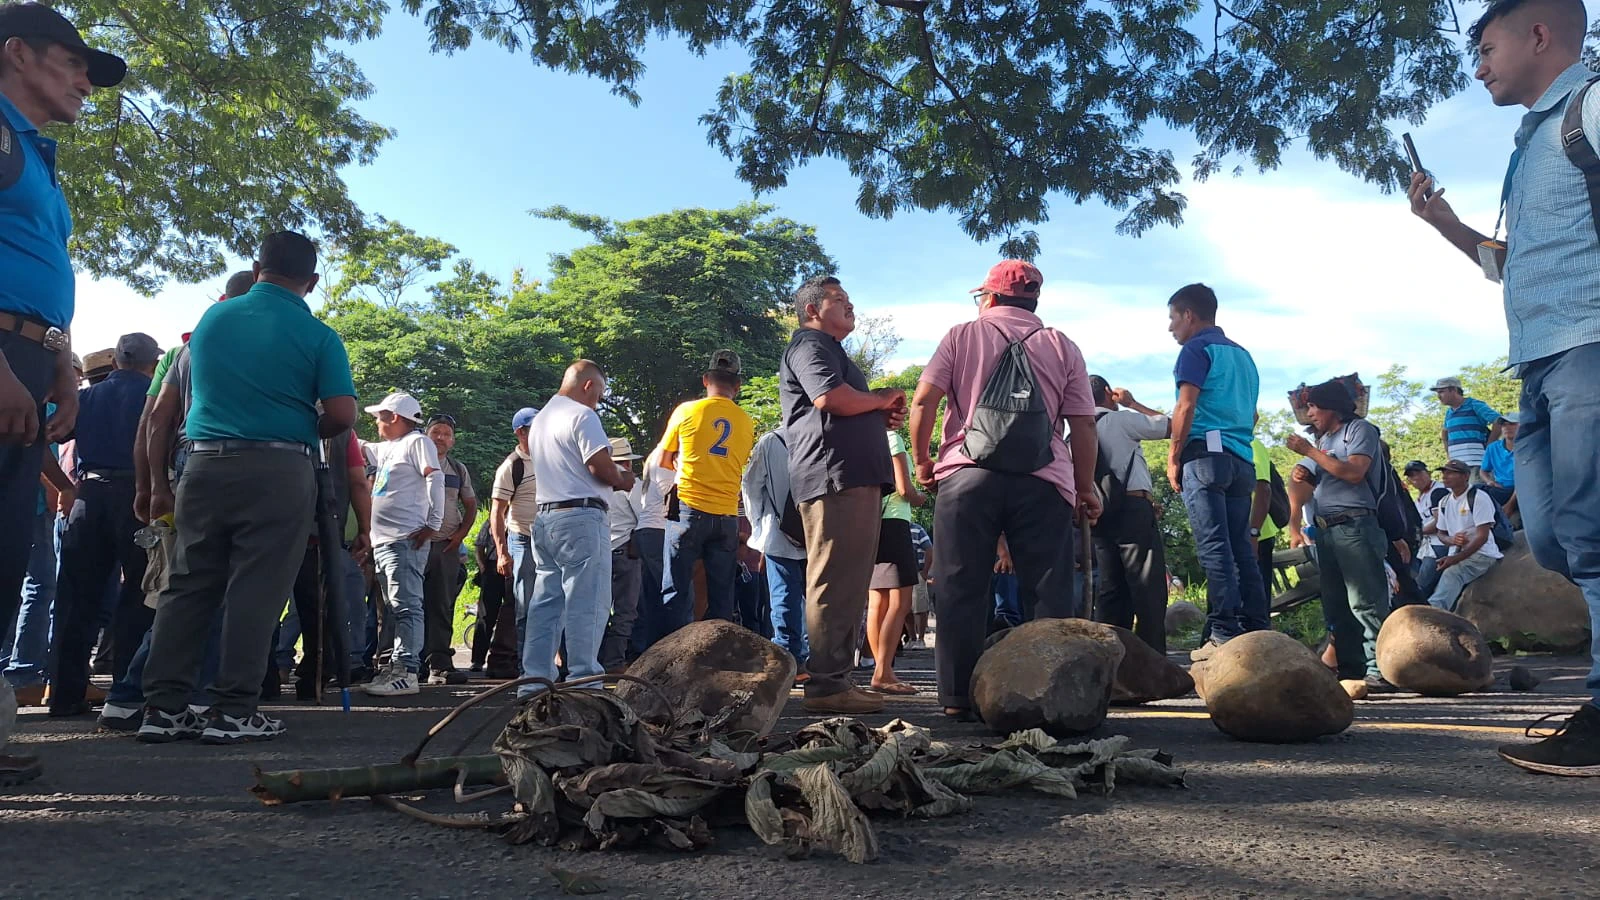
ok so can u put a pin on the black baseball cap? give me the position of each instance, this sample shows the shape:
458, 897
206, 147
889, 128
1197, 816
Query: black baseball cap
35, 20
1416, 465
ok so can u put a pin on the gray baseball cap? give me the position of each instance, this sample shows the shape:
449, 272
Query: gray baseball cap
138, 349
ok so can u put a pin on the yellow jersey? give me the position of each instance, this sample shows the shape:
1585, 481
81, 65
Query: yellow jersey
712, 438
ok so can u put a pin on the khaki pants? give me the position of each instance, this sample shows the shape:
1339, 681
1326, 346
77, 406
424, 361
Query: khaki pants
841, 548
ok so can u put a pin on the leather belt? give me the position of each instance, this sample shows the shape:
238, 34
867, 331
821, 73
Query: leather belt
585, 503
107, 474
232, 446
1342, 518
47, 336
1144, 494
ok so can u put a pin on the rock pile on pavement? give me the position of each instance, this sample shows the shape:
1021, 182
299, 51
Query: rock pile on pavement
1266, 686
708, 667
1526, 606
1145, 675
1433, 652
1052, 674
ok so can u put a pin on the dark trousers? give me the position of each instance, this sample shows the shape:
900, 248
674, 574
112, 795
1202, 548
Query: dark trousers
1410, 593
751, 603
315, 641
494, 637
625, 578
647, 629
439, 590
1264, 551
713, 539
98, 540
1132, 590
34, 366
975, 507
243, 520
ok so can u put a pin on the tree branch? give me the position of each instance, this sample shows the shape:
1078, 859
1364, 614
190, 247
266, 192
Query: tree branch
839, 25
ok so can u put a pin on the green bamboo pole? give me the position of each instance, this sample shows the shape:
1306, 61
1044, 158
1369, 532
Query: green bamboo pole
275, 788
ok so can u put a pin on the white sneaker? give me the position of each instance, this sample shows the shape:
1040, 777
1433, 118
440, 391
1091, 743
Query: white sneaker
916, 645
396, 684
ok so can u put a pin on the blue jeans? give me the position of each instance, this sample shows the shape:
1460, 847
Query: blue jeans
129, 689
25, 656
400, 566
704, 536
652, 544
1217, 492
786, 587
1007, 604
572, 596
1558, 476
524, 575
356, 610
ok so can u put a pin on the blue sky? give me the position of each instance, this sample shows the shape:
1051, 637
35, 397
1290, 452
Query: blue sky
1318, 273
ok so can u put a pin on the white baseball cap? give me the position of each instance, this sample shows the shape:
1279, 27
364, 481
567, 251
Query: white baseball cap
401, 404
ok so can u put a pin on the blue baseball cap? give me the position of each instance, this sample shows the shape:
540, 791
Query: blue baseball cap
523, 418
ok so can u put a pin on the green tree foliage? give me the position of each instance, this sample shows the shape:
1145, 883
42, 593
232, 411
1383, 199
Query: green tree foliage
872, 345
653, 298
988, 108
234, 113
383, 262
470, 349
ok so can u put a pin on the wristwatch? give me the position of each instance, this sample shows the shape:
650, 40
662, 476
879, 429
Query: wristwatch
1255, 532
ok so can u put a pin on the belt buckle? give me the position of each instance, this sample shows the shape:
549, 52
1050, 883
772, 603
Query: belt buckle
55, 340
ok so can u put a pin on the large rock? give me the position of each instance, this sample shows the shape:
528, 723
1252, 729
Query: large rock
1266, 686
1183, 616
1433, 652
704, 668
1145, 675
1054, 674
1526, 606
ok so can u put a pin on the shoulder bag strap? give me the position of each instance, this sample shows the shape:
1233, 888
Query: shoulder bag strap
1581, 152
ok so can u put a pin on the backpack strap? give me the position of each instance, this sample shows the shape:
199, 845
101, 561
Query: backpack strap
518, 469
1582, 153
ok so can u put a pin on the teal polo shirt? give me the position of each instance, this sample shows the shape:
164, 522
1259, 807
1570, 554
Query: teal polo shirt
35, 272
1229, 387
258, 365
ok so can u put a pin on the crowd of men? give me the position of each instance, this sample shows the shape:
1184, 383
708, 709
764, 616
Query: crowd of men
224, 457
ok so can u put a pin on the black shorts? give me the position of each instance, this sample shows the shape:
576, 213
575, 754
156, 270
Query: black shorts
897, 557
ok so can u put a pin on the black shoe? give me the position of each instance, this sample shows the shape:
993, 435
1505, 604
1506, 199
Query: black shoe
1377, 684
447, 676
1204, 651
160, 727
502, 674
361, 675
257, 726
67, 710
1574, 748
305, 689
476, 669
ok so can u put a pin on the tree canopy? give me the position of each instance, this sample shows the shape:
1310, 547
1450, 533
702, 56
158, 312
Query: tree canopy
988, 108
234, 113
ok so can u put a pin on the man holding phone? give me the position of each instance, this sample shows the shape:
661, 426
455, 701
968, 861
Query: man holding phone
1529, 51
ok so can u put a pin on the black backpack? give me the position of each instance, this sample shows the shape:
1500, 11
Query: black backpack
1010, 430
1391, 508
1113, 490
790, 525
1278, 507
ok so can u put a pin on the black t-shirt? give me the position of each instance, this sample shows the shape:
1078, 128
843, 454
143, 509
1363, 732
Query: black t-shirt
828, 453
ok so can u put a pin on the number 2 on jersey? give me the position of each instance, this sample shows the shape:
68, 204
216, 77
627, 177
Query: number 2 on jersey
725, 428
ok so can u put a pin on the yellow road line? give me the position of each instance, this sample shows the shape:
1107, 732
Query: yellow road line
1388, 725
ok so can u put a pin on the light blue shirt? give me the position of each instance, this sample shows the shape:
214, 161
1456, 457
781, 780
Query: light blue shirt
1552, 271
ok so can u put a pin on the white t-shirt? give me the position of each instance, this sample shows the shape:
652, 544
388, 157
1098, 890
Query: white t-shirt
1455, 517
563, 438
652, 488
1120, 433
408, 489
624, 518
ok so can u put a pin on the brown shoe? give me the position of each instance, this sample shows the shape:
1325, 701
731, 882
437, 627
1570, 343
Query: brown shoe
32, 695
849, 702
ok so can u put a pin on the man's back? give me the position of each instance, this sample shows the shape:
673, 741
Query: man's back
108, 420
561, 441
259, 363
1229, 387
713, 438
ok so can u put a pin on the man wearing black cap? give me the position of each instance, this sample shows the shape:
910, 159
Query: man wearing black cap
707, 442
1429, 493
46, 71
99, 533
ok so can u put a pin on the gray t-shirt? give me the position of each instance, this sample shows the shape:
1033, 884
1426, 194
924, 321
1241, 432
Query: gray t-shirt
1121, 434
1334, 496
178, 376
828, 453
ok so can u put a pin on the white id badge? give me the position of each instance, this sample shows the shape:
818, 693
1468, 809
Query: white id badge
1489, 258
1213, 442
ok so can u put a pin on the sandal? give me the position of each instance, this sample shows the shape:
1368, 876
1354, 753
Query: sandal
898, 688
956, 714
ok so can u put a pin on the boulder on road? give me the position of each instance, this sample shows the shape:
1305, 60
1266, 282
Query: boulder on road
705, 667
1145, 675
1265, 686
1526, 606
1433, 652
1183, 616
1054, 674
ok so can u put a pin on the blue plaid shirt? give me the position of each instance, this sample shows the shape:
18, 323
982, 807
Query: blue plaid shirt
1552, 271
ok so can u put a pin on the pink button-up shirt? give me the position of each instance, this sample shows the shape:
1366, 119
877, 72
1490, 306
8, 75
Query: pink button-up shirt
969, 352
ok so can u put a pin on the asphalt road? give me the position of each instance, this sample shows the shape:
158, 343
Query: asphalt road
1411, 801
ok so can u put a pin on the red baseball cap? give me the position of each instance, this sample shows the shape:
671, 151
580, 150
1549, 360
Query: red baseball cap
1013, 278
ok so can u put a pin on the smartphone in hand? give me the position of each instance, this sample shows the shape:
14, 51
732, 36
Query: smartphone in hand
1416, 161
